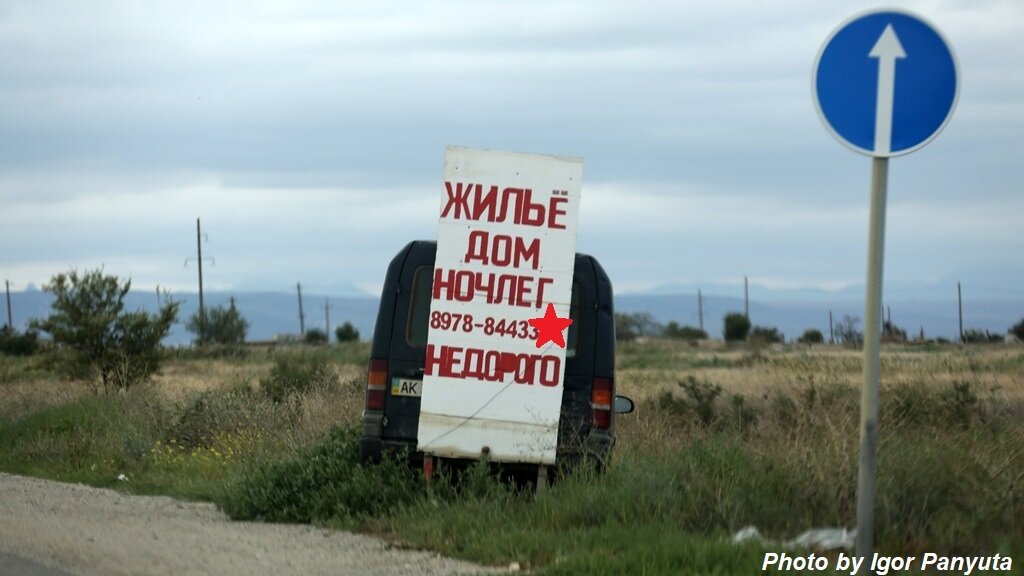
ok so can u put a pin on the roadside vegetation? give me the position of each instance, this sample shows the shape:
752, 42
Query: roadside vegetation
95, 338
723, 437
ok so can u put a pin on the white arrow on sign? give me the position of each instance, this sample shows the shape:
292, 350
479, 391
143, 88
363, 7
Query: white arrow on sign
887, 50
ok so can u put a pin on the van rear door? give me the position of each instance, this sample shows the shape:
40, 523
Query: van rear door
408, 339
408, 344
579, 366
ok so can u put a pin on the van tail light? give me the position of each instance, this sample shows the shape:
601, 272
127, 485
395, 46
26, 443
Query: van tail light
601, 403
376, 383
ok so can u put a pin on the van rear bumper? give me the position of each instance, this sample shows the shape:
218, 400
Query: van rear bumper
599, 444
593, 451
372, 449
369, 444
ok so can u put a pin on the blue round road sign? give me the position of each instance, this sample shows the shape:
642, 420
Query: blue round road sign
885, 83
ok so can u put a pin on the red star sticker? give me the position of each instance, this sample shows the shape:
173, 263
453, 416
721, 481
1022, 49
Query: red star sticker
549, 327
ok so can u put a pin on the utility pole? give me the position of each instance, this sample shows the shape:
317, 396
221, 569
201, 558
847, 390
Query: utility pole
302, 317
202, 308
10, 321
960, 308
327, 318
746, 298
831, 335
700, 308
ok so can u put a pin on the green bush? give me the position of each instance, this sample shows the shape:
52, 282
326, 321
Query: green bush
737, 327
346, 333
315, 336
893, 333
811, 336
632, 326
766, 335
224, 326
212, 413
674, 330
96, 338
297, 373
1018, 330
324, 483
978, 336
962, 403
703, 394
25, 344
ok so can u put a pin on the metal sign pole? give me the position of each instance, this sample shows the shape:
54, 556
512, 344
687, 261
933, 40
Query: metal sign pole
872, 365
854, 81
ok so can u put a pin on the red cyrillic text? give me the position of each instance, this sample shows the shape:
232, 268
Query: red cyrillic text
468, 201
502, 250
492, 365
513, 289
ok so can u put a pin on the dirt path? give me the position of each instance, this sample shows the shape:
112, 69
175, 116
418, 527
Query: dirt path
94, 532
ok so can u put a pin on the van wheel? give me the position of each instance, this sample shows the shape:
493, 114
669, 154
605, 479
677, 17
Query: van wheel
585, 464
369, 452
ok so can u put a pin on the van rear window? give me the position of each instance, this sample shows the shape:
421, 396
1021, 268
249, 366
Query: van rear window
419, 307
419, 311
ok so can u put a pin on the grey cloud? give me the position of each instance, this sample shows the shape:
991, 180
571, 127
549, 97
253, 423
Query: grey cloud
191, 108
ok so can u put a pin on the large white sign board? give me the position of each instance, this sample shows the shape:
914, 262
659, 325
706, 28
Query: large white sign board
506, 249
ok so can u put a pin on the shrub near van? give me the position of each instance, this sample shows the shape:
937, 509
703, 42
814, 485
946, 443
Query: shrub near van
398, 358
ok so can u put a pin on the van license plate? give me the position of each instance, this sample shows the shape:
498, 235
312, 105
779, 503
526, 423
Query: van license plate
406, 387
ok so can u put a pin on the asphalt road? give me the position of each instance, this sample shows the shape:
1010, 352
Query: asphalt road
11, 565
56, 529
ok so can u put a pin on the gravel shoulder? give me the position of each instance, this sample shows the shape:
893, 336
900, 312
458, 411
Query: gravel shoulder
86, 531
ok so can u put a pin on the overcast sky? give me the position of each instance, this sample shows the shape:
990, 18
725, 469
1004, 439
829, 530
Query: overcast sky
309, 137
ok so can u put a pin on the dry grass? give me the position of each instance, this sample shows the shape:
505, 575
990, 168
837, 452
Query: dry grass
323, 407
296, 422
25, 397
817, 388
754, 374
951, 433
950, 475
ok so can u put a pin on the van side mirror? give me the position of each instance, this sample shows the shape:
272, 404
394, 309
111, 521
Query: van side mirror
623, 405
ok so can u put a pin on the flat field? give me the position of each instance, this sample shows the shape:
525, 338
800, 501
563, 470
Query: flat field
722, 438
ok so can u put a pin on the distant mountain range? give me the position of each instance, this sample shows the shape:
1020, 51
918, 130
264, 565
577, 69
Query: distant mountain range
913, 308
935, 318
269, 314
931, 307
901, 291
